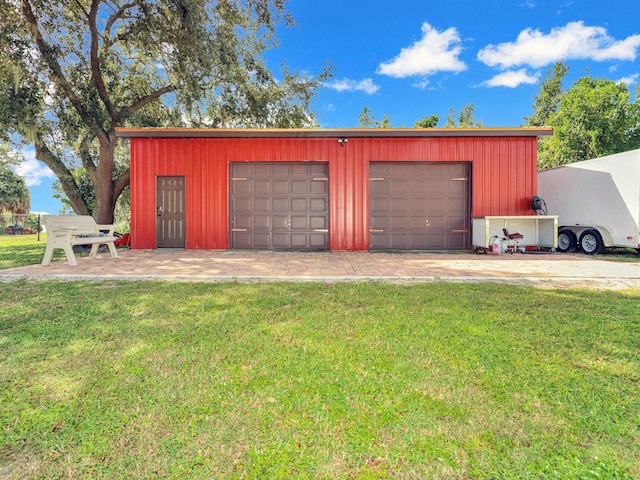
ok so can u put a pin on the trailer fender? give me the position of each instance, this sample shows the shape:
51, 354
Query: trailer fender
578, 230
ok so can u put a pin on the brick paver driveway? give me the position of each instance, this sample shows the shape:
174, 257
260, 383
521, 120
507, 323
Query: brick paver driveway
537, 268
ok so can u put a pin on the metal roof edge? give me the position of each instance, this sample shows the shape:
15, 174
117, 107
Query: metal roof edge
331, 133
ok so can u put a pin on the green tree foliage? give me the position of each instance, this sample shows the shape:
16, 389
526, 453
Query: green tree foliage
72, 72
465, 119
14, 194
367, 120
427, 122
386, 121
593, 118
548, 100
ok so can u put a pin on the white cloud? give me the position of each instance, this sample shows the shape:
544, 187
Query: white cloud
366, 85
573, 41
511, 79
435, 52
630, 80
422, 84
32, 170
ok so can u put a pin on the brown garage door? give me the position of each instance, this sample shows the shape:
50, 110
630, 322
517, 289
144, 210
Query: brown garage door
419, 206
279, 206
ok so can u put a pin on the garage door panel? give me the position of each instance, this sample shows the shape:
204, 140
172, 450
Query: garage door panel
317, 169
300, 169
299, 205
399, 205
260, 170
261, 187
436, 205
379, 205
455, 205
457, 202
458, 170
379, 222
456, 187
299, 187
318, 205
318, 241
436, 224
436, 187
398, 223
378, 169
456, 223
243, 221
243, 187
419, 205
436, 241
261, 222
378, 187
242, 170
377, 241
319, 187
244, 205
280, 241
260, 204
318, 222
279, 222
281, 186
415, 186
242, 240
263, 204
280, 205
299, 240
299, 222
457, 242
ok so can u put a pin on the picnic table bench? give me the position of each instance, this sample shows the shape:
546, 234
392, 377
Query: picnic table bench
65, 231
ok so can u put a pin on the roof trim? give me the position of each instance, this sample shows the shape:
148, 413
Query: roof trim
331, 133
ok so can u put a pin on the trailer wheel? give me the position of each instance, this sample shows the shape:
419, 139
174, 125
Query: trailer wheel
591, 242
567, 241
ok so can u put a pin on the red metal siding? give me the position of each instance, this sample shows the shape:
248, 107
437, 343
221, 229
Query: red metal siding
503, 178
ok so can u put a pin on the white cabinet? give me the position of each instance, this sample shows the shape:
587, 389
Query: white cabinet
537, 230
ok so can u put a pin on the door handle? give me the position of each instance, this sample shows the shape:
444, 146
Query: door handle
159, 210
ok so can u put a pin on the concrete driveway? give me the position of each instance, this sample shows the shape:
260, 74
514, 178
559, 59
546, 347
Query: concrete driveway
552, 270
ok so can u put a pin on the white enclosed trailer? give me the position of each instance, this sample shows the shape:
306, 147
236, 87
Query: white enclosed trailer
597, 202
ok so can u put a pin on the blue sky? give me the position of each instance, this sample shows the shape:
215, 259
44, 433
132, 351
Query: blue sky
414, 58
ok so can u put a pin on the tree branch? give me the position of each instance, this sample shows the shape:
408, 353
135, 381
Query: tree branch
81, 7
96, 73
84, 150
119, 15
68, 182
143, 101
121, 183
56, 71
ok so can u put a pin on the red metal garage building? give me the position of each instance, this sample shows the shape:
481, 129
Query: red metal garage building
319, 189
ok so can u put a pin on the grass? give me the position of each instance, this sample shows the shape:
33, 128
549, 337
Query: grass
24, 250
366, 381
628, 255
160, 380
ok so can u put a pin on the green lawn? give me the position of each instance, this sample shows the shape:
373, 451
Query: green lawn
23, 250
160, 380
261, 381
